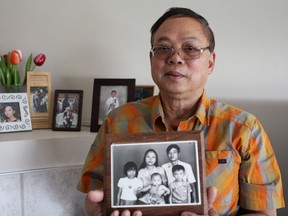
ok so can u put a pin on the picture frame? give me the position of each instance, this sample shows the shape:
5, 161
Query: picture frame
39, 95
144, 91
14, 112
67, 110
121, 149
107, 95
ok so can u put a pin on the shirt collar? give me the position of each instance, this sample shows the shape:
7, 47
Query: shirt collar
202, 112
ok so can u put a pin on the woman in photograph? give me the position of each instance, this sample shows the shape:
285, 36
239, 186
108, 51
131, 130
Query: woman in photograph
147, 168
10, 114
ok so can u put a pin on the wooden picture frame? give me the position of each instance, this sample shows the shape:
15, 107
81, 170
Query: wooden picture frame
14, 112
115, 92
39, 95
123, 148
144, 91
67, 110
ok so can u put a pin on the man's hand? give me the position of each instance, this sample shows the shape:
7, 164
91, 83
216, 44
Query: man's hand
94, 205
211, 196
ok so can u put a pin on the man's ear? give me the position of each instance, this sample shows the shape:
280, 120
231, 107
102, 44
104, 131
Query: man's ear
211, 63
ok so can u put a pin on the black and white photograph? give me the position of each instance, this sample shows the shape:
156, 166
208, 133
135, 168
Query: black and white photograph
67, 110
155, 174
109, 94
14, 112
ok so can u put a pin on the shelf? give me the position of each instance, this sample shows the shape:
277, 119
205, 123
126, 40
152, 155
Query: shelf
43, 149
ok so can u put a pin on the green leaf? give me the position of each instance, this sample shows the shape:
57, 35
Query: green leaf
8, 78
27, 68
16, 75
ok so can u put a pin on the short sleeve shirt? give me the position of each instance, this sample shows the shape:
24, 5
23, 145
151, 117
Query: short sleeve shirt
240, 161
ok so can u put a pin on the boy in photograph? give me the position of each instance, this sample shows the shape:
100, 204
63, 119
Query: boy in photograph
180, 188
112, 102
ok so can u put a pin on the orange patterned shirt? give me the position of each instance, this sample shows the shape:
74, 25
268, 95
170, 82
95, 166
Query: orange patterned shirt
240, 160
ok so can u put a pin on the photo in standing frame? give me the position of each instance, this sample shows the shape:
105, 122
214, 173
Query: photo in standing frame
67, 111
109, 94
154, 172
14, 112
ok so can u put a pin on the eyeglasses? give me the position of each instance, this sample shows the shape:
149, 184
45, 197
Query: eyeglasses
185, 53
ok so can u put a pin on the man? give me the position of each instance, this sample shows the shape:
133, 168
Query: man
240, 161
173, 153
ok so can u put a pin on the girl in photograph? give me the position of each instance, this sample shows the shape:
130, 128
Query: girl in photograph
129, 186
10, 114
147, 168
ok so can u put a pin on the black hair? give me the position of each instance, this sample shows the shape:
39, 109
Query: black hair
156, 174
172, 146
185, 12
130, 166
143, 165
177, 168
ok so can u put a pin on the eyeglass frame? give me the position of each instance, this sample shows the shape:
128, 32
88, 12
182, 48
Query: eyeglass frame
172, 51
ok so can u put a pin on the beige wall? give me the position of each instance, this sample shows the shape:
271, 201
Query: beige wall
91, 39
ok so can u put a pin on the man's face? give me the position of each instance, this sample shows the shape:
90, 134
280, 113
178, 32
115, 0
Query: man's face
175, 76
173, 154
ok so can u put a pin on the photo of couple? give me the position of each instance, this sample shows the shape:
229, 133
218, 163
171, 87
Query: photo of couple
155, 174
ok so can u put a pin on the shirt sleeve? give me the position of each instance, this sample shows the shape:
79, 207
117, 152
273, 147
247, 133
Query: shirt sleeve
259, 175
93, 170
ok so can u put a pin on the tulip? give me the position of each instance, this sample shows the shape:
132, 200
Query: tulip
39, 59
15, 57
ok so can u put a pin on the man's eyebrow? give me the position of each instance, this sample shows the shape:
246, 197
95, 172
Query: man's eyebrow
165, 38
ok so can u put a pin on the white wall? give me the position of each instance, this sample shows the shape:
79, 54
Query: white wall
91, 39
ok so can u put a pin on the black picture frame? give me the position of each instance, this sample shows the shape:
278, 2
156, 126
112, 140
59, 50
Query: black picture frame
18, 117
121, 149
102, 91
144, 91
67, 110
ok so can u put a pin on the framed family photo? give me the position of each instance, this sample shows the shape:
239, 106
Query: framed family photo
67, 110
39, 95
158, 173
109, 94
14, 112
144, 91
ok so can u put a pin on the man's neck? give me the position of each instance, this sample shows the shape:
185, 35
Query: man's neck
177, 109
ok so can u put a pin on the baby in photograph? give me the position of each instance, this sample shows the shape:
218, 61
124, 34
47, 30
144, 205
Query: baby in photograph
157, 191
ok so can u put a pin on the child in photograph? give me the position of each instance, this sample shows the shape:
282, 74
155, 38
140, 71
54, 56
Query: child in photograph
129, 186
180, 188
112, 102
157, 191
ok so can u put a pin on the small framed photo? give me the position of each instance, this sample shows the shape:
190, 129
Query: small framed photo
109, 94
144, 91
67, 111
158, 173
39, 95
14, 112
